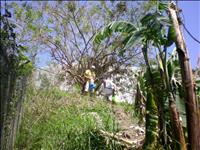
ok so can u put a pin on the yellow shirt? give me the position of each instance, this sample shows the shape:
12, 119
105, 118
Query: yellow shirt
89, 74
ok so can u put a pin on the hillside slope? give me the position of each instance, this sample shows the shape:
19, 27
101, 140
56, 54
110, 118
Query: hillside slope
54, 119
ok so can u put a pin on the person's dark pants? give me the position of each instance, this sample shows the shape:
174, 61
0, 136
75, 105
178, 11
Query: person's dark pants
83, 88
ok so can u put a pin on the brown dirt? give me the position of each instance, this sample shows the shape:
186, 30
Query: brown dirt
129, 129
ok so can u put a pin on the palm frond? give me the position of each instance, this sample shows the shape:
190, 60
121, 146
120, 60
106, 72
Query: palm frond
116, 26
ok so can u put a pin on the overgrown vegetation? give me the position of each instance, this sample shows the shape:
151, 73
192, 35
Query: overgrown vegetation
15, 66
54, 119
47, 118
156, 31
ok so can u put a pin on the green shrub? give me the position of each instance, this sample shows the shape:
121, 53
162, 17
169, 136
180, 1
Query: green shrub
54, 119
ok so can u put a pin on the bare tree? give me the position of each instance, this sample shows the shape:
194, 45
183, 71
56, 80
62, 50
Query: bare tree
68, 29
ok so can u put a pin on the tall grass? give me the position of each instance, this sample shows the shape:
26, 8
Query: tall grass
54, 119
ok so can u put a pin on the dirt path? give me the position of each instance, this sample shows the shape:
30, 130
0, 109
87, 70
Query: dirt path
129, 129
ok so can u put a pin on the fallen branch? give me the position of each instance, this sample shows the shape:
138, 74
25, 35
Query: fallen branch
124, 141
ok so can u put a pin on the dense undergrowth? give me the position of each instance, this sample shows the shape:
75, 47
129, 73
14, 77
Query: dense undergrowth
54, 119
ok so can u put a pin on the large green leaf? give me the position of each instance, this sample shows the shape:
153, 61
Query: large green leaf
171, 36
160, 63
152, 19
164, 20
155, 24
151, 122
162, 6
122, 26
116, 26
170, 68
100, 36
144, 21
136, 37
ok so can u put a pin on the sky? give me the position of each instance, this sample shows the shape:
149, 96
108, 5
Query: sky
191, 12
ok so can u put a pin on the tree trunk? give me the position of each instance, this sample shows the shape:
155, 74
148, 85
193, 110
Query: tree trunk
178, 135
191, 101
5, 88
176, 125
15, 122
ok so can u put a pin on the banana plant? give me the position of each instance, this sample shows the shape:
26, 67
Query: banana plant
151, 109
190, 96
140, 100
153, 31
151, 123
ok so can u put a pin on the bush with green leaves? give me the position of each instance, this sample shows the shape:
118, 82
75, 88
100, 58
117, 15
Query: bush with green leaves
54, 119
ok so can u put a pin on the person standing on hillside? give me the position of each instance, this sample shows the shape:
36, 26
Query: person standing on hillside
108, 89
89, 76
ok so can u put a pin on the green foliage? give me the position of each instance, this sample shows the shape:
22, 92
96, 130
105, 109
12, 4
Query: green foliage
25, 66
129, 109
45, 83
116, 26
151, 123
134, 38
19, 63
140, 95
53, 120
162, 80
15, 67
31, 27
171, 36
67, 29
162, 6
174, 74
152, 29
198, 87
71, 6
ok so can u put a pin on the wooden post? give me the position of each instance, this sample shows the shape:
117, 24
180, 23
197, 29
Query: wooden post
191, 102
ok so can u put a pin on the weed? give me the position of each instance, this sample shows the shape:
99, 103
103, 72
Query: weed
54, 119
